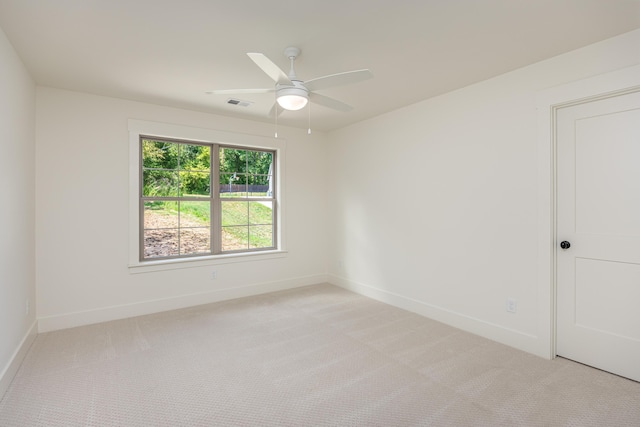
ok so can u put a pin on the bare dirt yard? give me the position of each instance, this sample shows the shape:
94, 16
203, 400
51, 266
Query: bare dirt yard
161, 236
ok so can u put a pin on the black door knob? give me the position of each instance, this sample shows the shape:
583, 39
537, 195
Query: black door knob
565, 245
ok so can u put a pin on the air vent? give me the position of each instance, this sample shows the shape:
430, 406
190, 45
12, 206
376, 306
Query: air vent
239, 102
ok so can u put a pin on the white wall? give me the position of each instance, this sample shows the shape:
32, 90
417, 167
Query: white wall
83, 204
434, 207
17, 172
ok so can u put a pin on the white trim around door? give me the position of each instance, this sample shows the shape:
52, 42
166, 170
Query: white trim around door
548, 102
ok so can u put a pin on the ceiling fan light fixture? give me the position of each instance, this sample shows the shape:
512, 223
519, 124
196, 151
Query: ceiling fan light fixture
292, 102
292, 98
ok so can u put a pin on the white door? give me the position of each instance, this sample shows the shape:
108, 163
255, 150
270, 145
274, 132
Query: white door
598, 214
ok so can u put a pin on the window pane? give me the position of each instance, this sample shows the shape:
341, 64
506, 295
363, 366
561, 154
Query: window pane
260, 236
195, 227
159, 154
195, 241
233, 185
260, 213
160, 215
195, 157
160, 183
195, 214
259, 162
259, 186
160, 229
160, 243
235, 213
235, 238
195, 184
233, 160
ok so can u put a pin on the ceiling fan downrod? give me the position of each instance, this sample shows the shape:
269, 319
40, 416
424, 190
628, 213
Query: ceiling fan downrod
292, 53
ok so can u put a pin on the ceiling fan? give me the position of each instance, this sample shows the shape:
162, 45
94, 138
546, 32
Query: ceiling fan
291, 92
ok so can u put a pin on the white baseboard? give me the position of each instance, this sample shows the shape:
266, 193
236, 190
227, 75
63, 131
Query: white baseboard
512, 338
105, 314
10, 370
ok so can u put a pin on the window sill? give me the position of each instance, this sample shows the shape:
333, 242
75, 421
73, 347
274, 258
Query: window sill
175, 264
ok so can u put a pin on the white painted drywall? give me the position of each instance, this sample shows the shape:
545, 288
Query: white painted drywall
17, 187
82, 153
434, 207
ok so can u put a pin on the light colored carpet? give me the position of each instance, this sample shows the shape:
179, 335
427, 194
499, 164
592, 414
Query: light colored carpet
314, 356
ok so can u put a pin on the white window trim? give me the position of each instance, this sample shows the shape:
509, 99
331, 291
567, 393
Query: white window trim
166, 130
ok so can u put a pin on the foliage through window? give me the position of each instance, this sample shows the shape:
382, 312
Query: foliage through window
204, 199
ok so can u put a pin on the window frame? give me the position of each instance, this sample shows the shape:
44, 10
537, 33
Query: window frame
220, 200
139, 129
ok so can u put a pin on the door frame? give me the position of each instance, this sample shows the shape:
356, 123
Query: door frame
549, 101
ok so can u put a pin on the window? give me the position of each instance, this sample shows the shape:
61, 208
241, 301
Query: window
203, 199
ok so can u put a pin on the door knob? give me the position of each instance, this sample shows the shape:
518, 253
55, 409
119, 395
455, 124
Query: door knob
565, 245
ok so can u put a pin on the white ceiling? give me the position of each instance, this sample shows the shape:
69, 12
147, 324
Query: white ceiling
169, 52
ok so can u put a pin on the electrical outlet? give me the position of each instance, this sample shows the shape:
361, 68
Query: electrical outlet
512, 305
214, 275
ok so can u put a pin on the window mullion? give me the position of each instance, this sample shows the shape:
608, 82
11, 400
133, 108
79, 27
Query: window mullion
216, 207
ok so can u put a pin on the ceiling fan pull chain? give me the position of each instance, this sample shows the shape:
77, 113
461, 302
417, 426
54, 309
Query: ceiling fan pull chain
309, 109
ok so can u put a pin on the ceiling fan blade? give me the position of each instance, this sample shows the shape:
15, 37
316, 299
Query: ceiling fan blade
271, 69
275, 110
238, 91
329, 102
339, 79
